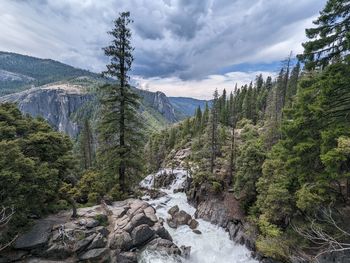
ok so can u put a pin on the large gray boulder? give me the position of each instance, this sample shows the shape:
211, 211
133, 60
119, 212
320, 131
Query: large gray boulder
121, 240
181, 218
37, 236
163, 246
141, 234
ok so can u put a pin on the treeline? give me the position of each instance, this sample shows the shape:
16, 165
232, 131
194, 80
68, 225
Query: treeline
281, 146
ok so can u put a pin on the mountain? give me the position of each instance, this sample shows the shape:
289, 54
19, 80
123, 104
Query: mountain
64, 95
187, 106
20, 72
64, 104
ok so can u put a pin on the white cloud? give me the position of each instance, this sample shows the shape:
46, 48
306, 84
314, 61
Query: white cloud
200, 89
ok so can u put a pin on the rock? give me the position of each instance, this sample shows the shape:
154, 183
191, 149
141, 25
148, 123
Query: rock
141, 234
37, 236
173, 210
150, 212
193, 223
127, 257
171, 223
121, 240
99, 242
82, 222
185, 251
181, 217
138, 219
58, 251
12, 256
82, 244
95, 255
196, 231
102, 230
164, 179
163, 246
162, 232
91, 223
136, 206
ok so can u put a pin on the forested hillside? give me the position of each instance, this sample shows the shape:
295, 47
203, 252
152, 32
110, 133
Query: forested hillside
268, 161
281, 146
19, 72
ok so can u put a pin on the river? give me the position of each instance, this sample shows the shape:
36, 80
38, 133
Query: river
212, 246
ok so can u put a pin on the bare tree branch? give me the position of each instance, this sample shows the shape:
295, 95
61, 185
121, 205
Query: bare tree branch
325, 243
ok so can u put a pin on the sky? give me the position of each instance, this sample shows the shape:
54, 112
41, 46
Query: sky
182, 47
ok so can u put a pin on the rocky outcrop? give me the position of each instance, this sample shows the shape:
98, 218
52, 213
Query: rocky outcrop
103, 233
179, 217
55, 103
224, 210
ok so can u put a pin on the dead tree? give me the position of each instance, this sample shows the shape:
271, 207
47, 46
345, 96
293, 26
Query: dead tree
325, 242
5, 217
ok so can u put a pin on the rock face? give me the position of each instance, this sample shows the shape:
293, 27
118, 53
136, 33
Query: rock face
55, 103
103, 233
223, 210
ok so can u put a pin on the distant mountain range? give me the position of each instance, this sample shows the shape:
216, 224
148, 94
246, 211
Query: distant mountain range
59, 93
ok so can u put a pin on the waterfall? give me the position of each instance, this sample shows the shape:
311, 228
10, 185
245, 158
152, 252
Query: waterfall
213, 245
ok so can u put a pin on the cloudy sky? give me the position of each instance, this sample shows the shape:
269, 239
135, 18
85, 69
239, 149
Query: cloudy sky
182, 47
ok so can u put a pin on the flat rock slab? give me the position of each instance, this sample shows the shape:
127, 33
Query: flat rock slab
37, 236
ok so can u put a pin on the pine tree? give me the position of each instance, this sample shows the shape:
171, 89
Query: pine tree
292, 84
205, 117
213, 130
87, 145
120, 127
330, 39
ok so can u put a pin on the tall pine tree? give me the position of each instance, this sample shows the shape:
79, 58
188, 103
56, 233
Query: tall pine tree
120, 127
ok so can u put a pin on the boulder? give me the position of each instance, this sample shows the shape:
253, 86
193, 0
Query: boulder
185, 251
141, 234
95, 255
196, 231
58, 251
171, 223
163, 246
37, 236
83, 243
99, 242
193, 223
160, 230
126, 257
138, 219
121, 240
91, 223
173, 210
181, 218
102, 230
150, 212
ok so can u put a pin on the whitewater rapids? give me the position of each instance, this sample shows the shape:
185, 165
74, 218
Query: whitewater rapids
212, 246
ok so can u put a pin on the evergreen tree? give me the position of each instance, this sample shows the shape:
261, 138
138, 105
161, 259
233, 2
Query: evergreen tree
120, 127
293, 84
213, 130
86, 145
330, 39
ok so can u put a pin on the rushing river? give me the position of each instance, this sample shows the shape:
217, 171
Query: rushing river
212, 246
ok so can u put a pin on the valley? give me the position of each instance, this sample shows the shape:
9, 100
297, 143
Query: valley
98, 164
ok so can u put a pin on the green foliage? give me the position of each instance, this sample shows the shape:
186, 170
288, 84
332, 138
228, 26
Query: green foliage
329, 40
36, 165
120, 128
249, 160
35, 71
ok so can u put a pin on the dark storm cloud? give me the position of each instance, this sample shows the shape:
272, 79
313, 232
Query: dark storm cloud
177, 38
